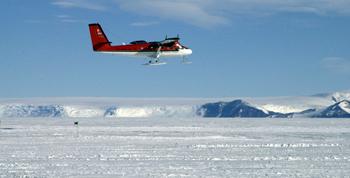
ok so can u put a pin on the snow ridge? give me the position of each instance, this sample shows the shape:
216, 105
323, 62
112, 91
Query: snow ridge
345, 105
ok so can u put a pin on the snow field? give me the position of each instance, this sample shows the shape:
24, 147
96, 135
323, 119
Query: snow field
174, 147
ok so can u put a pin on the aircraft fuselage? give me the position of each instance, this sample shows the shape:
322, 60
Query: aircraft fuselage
147, 50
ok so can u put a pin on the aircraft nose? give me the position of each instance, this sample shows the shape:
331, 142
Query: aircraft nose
189, 51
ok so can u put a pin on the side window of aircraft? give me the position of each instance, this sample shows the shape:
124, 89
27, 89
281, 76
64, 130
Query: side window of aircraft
138, 42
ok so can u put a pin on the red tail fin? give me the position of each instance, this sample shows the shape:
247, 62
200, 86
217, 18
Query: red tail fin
98, 38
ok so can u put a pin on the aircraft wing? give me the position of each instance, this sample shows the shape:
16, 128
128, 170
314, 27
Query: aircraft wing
168, 41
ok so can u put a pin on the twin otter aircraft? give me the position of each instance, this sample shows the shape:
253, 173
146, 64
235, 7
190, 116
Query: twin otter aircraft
170, 47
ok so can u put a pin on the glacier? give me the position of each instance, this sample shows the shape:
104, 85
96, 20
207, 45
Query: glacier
21, 110
152, 111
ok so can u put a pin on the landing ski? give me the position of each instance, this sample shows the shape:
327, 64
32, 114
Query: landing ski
155, 63
186, 62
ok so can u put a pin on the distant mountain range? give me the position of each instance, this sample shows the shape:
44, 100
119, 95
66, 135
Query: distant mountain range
239, 108
324, 105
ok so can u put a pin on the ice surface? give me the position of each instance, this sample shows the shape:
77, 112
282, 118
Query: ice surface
174, 147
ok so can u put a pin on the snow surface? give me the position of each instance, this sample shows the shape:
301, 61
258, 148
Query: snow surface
174, 147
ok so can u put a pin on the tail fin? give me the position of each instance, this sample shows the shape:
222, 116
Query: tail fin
98, 38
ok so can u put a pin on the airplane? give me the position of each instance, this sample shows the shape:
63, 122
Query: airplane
170, 47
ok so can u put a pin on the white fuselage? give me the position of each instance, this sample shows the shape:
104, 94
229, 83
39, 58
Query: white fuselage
152, 54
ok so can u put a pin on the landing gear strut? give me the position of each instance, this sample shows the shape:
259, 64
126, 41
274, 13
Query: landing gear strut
155, 63
185, 61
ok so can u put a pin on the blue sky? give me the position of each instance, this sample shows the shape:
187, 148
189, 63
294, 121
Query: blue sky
240, 48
